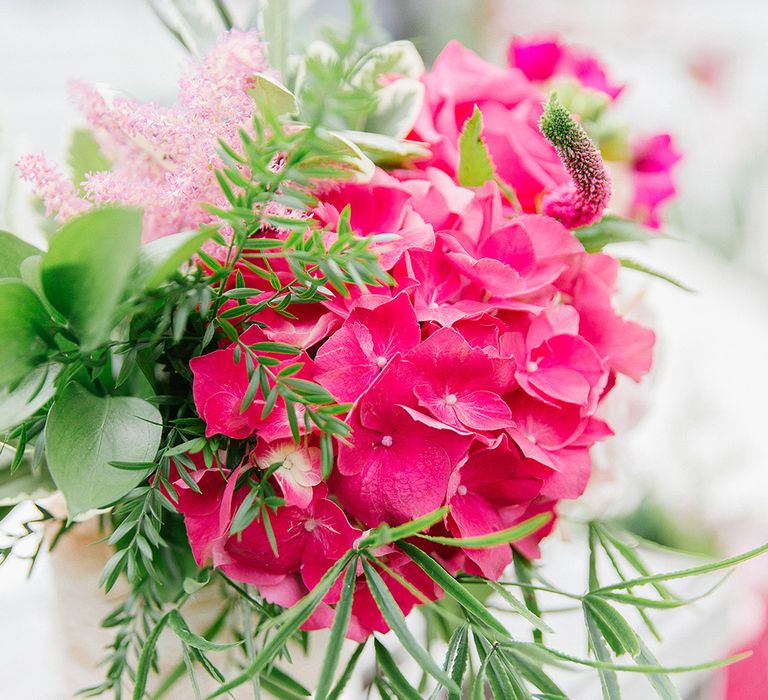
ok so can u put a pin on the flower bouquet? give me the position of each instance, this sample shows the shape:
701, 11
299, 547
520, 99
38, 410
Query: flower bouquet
330, 337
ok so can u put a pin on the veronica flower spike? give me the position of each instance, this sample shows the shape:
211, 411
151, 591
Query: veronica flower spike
582, 200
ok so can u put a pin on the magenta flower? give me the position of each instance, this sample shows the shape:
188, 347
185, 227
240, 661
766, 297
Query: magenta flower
398, 464
555, 364
379, 207
491, 479
457, 384
511, 107
652, 161
376, 330
220, 384
544, 57
522, 257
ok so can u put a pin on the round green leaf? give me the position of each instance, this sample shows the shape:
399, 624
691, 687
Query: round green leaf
87, 268
23, 319
85, 433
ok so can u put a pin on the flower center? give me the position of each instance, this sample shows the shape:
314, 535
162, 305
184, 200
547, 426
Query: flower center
531, 366
310, 524
462, 490
433, 305
387, 441
381, 361
451, 399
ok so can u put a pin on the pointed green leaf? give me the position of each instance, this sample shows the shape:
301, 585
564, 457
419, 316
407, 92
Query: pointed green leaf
640, 267
338, 631
399, 683
495, 538
161, 258
86, 270
609, 620
180, 627
475, 165
661, 683
286, 624
612, 229
454, 589
349, 669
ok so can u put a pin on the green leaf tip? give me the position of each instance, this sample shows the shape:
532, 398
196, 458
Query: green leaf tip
475, 165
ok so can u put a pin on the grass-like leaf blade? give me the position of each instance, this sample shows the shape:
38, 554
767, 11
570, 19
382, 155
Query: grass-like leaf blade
338, 630
396, 620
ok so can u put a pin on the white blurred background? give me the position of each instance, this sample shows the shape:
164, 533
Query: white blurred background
697, 460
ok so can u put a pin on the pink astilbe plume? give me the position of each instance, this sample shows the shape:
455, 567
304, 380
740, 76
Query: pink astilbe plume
581, 201
51, 185
163, 158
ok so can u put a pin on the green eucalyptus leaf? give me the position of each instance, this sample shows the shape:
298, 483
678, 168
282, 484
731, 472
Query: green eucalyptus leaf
13, 251
23, 319
86, 270
475, 165
161, 258
85, 433
34, 391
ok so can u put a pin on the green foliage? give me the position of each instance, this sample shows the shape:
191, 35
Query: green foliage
86, 433
14, 252
31, 394
475, 165
86, 271
24, 323
612, 229
162, 258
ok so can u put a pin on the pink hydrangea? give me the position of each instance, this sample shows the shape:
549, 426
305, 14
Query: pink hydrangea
651, 166
541, 58
475, 382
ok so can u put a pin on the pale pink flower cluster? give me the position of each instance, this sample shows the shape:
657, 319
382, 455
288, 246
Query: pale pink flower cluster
59, 195
163, 158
